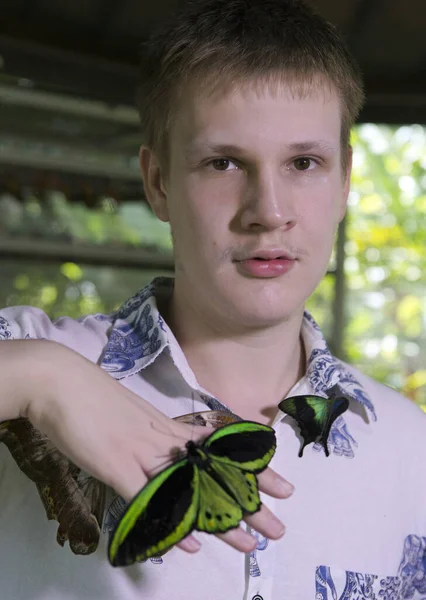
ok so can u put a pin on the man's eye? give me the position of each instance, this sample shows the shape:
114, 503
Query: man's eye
303, 163
221, 164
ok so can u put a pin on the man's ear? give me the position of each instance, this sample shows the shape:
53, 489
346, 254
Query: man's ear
346, 183
153, 183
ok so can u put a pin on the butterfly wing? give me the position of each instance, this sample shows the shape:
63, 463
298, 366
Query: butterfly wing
314, 416
80, 515
336, 406
159, 516
76, 502
246, 445
309, 412
241, 485
94, 492
228, 485
214, 418
218, 512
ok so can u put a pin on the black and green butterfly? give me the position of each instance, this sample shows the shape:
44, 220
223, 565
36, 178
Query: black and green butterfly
209, 489
315, 415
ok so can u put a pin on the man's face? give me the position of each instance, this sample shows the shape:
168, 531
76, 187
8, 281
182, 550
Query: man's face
254, 176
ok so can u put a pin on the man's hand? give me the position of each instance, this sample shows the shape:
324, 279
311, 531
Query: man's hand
115, 435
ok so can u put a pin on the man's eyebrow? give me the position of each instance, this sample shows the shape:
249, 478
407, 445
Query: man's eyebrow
308, 146
197, 148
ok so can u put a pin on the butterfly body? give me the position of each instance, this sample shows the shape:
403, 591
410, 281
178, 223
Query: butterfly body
209, 489
195, 455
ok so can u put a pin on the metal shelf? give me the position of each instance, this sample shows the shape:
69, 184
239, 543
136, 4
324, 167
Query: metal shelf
56, 251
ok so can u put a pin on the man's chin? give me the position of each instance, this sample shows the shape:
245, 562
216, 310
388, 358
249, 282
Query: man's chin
264, 316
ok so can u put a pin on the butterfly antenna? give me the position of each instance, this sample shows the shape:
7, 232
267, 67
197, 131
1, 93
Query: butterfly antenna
181, 439
168, 460
192, 411
162, 431
175, 453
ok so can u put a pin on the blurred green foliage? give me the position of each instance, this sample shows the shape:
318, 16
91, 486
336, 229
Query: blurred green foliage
385, 332
385, 265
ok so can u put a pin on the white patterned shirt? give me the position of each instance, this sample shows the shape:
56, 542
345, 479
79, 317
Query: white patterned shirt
356, 524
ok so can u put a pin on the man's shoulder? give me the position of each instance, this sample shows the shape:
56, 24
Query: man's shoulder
391, 407
86, 335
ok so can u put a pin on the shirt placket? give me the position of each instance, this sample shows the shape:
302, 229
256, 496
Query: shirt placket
260, 564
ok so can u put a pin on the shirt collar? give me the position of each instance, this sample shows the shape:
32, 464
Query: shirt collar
139, 335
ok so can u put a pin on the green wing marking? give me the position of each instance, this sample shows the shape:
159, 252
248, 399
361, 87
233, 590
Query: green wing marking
218, 511
246, 445
314, 416
241, 485
161, 515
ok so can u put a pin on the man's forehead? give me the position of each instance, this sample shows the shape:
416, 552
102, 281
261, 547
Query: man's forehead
198, 111
297, 133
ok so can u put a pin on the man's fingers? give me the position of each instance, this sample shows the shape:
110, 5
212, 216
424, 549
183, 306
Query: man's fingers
239, 539
274, 485
266, 523
189, 544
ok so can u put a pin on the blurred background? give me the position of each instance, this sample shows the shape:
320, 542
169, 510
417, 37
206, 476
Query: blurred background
76, 234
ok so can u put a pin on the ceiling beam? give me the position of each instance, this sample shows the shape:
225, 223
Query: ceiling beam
51, 251
70, 73
72, 106
40, 154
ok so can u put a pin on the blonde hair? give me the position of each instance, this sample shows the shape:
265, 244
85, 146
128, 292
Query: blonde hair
215, 44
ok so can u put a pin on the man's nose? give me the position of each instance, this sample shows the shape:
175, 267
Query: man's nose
268, 203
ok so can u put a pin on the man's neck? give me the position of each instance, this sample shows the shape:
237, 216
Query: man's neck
249, 372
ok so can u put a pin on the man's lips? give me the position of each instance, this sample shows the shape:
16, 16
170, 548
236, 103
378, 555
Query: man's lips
265, 267
265, 255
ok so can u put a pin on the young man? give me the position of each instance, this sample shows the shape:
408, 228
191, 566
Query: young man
246, 115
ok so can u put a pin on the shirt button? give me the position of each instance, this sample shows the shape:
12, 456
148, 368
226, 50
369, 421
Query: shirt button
257, 597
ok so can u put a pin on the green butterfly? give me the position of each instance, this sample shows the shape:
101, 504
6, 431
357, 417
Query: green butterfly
315, 415
209, 489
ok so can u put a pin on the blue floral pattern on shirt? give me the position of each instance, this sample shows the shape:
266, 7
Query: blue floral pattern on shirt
412, 570
149, 291
5, 332
323, 371
262, 544
129, 342
134, 303
409, 582
340, 439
